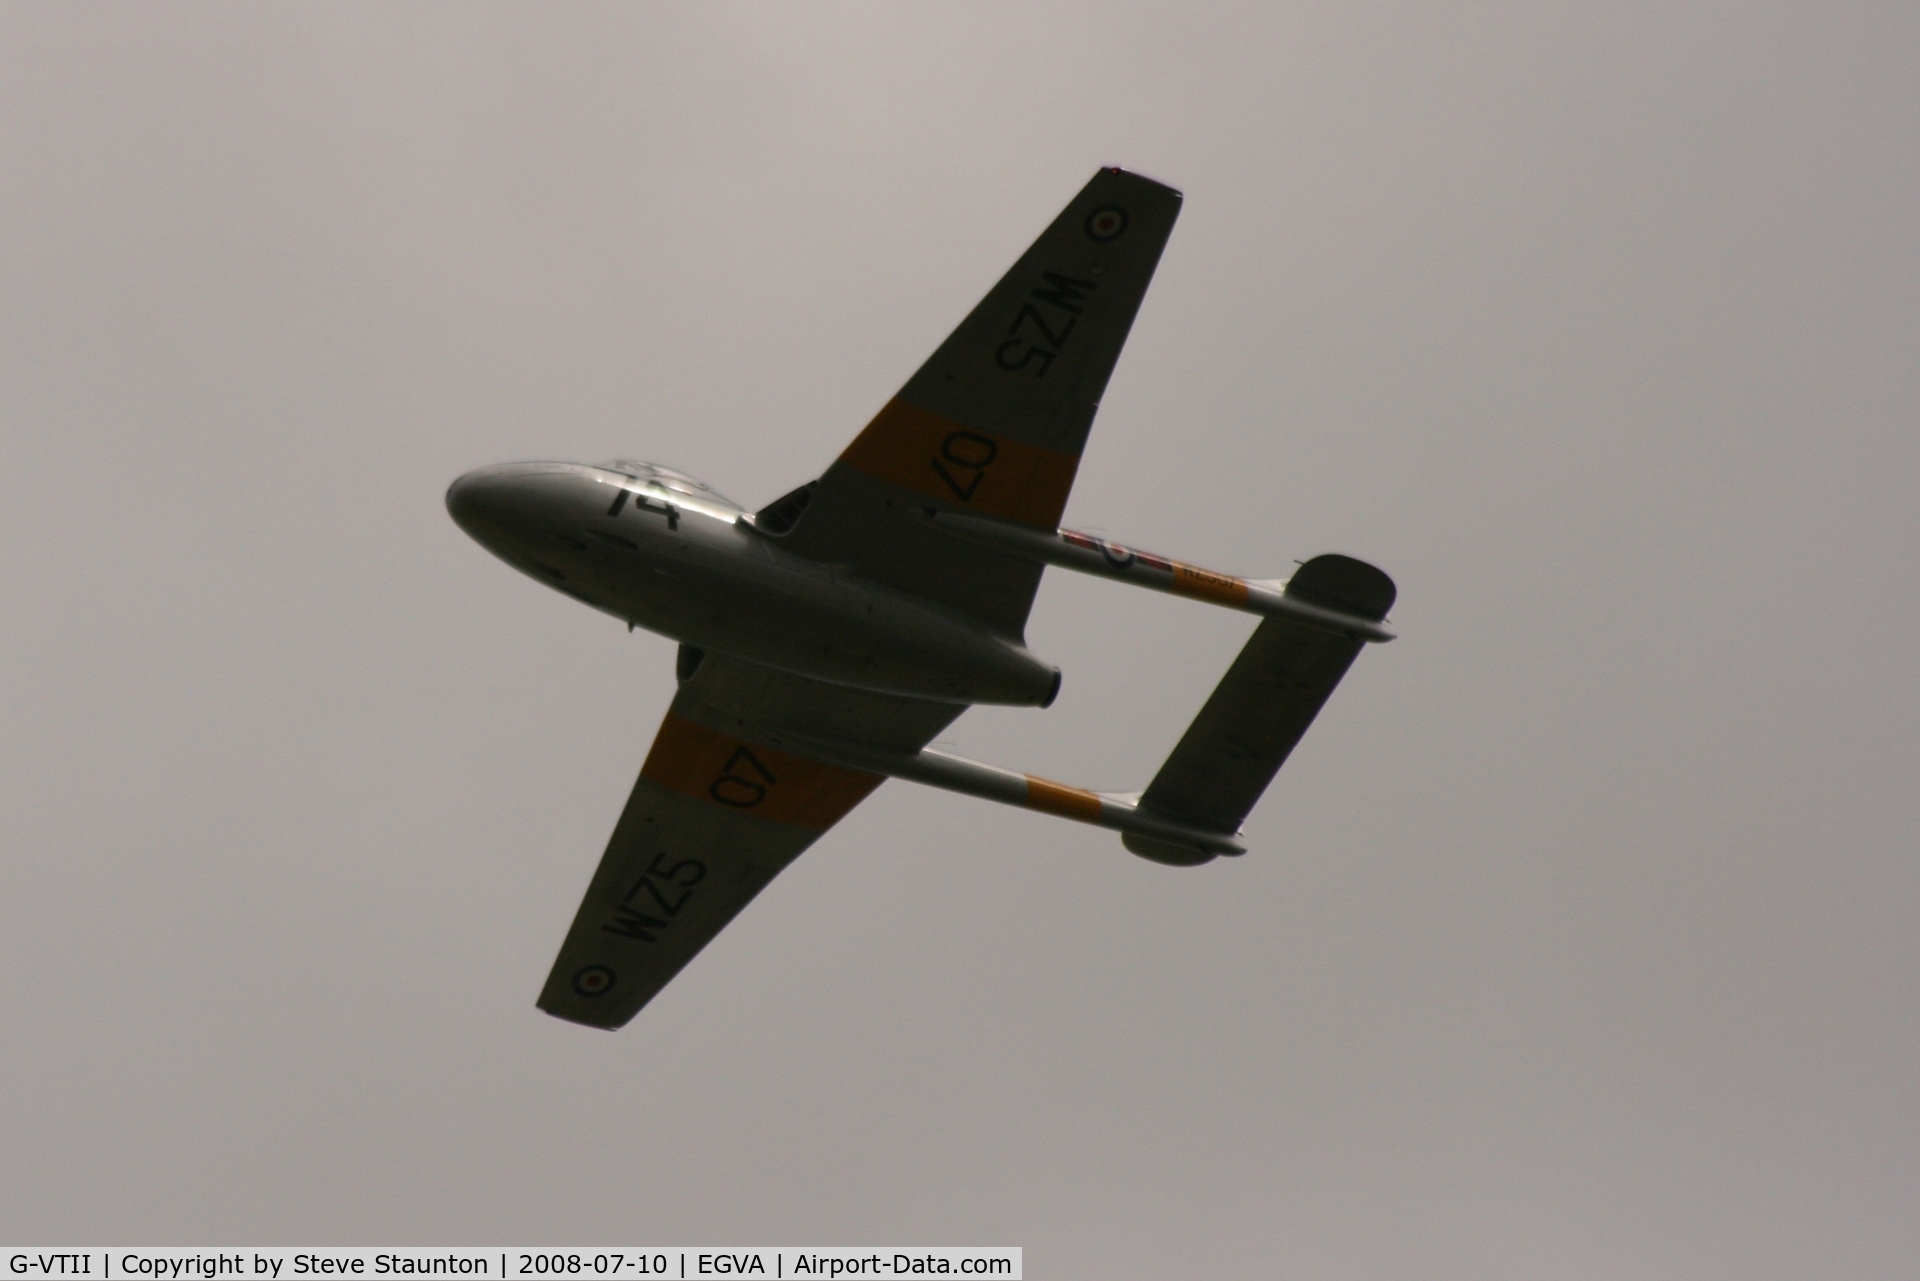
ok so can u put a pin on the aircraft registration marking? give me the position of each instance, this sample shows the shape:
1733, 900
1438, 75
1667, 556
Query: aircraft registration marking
1207, 585
728, 772
733, 774
662, 890
1188, 580
935, 456
1033, 335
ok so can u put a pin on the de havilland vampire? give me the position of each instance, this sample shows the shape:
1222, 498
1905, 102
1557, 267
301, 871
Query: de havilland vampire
828, 637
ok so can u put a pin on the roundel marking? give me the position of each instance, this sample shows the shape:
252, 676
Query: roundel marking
1108, 222
593, 980
1118, 556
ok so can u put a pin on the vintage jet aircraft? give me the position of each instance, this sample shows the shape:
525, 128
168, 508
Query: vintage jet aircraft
828, 637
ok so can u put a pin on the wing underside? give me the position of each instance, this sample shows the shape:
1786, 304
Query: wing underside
995, 421
715, 815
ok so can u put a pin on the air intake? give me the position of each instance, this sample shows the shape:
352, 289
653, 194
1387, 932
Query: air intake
780, 516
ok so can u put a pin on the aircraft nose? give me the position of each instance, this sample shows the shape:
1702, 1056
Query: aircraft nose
497, 501
470, 503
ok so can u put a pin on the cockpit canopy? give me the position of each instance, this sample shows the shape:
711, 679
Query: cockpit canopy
667, 478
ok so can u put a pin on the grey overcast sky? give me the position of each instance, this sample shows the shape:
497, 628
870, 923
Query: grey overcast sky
1578, 939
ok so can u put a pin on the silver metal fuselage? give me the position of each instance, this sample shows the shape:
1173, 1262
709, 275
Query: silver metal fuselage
658, 550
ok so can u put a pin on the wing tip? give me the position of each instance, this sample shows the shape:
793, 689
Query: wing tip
583, 1018
1120, 171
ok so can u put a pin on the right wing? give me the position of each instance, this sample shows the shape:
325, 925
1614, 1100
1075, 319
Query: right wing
714, 817
994, 422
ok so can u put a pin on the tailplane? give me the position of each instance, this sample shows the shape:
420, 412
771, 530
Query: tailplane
1261, 708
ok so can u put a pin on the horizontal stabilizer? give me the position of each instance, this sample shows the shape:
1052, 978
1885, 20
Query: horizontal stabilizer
1265, 703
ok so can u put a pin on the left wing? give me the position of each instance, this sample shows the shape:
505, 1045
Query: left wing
715, 815
995, 420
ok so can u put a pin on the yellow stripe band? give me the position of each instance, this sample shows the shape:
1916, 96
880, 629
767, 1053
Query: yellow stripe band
964, 467
1067, 802
754, 779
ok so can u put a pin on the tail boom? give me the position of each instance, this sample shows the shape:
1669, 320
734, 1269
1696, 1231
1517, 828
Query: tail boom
1115, 811
1103, 558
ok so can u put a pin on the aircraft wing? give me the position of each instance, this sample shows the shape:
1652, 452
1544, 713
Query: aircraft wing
715, 815
995, 421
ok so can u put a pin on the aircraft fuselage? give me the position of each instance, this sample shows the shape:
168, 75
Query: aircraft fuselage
659, 550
